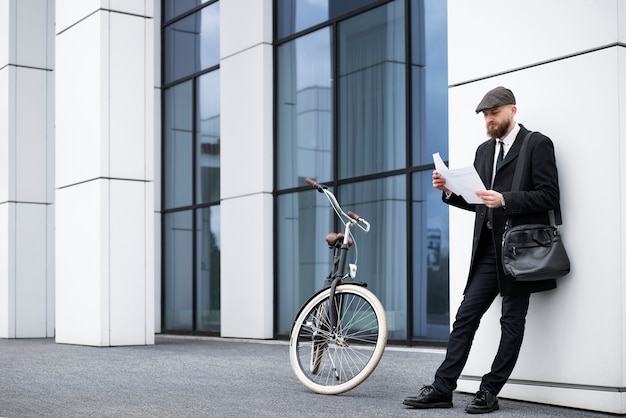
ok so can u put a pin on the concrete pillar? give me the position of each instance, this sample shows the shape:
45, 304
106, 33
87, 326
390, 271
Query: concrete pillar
26, 169
104, 172
570, 85
246, 169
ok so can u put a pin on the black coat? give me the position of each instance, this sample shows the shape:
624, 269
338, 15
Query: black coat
538, 193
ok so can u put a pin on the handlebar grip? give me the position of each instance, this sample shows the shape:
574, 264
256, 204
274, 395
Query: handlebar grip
353, 215
320, 188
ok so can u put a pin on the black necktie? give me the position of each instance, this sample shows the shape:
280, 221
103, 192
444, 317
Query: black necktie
500, 155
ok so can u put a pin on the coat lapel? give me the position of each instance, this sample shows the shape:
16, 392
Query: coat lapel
515, 148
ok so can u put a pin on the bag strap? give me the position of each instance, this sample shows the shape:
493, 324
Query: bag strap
517, 178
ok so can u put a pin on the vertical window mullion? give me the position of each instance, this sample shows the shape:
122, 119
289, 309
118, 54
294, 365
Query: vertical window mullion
194, 221
409, 177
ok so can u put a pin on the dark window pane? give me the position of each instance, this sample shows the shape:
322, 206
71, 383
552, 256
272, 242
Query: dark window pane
177, 146
303, 220
382, 251
192, 44
208, 269
431, 313
430, 82
304, 109
372, 92
178, 270
173, 8
297, 15
208, 138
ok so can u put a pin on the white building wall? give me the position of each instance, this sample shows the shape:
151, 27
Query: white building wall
26, 169
246, 168
566, 63
104, 172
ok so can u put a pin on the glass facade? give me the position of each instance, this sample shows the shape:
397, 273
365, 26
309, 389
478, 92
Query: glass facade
361, 105
191, 167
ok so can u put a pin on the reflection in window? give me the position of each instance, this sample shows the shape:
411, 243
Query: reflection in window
382, 251
431, 315
303, 219
177, 277
372, 92
430, 81
208, 269
297, 15
177, 146
192, 44
305, 108
208, 138
173, 8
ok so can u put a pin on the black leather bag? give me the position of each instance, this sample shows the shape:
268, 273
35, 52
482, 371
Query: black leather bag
533, 252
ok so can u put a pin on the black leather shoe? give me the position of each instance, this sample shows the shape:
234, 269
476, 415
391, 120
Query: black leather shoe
482, 403
429, 397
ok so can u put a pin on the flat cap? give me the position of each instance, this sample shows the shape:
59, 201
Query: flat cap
496, 98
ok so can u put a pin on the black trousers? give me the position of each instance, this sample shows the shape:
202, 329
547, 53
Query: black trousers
480, 294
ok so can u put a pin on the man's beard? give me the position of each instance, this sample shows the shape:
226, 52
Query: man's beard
496, 130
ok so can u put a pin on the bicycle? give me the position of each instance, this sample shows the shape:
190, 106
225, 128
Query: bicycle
340, 333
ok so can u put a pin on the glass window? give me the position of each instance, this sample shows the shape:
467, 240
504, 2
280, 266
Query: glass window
430, 80
208, 138
431, 313
177, 145
297, 15
382, 252
344, 93
303, 220
178, 274
305, 108
173, 8
192, 44
208, 269
372, 92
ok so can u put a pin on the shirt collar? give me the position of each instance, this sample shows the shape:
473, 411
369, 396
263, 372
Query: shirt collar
510, 138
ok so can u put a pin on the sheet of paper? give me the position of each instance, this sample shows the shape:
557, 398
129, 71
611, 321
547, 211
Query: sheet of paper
460, 181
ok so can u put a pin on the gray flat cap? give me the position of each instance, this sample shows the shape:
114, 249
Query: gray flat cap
496, 98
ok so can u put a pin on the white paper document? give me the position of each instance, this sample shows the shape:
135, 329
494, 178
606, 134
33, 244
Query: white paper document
460, 181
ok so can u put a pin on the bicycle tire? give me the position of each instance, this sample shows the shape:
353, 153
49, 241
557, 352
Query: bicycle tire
331, 363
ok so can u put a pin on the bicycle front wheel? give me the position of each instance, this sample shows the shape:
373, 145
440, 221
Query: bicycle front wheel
332, 361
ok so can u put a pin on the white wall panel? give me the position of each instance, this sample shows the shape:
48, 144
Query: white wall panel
81, 247
6, 26
489, 37
32, 157
128, 281
7, 133
7, 270
157, 272
32, 29
554, 98
128, 84
79, 106
621, 18
50, 271
68, 12
138, 7
31, 275
621, 111
246, 267
246, 122
254, 15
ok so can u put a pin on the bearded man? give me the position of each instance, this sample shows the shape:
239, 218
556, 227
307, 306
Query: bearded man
538, 193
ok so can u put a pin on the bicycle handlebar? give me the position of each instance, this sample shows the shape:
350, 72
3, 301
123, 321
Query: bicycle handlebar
364, 225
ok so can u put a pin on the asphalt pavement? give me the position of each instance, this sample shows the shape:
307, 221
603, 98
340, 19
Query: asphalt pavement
212, 377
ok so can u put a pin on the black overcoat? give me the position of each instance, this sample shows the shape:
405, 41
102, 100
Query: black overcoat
538, 193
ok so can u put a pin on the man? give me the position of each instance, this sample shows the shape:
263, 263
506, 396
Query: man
538, 193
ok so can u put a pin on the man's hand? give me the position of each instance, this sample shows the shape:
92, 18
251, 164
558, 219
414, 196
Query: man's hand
490, 198
439, 182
